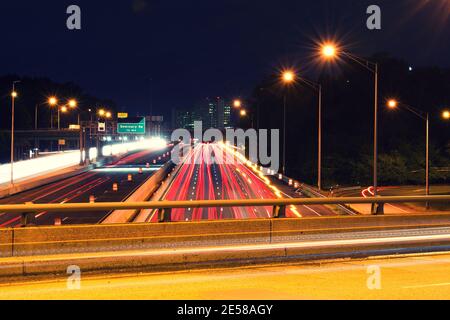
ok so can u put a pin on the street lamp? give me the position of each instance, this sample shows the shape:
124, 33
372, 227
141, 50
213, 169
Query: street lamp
51, 101
237, 103
287, 78
394, 104
72, 103
318, 88
106, 115
446, 115
14, 95
330, 51
243, 113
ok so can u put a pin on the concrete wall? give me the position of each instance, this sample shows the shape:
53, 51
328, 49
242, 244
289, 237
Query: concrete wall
6, 242
96, 238
143, 193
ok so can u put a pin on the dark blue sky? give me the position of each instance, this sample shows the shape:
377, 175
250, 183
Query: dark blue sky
192, 49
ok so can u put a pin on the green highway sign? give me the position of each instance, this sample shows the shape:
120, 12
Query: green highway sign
131, 126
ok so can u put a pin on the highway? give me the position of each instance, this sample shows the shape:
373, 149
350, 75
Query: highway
207, 175
408, 277
97, 183
398, 208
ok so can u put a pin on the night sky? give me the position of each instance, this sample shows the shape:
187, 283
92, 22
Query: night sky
187, 50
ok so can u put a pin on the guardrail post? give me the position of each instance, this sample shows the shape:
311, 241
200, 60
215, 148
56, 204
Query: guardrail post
377, 209
27, 218
279, 211
165, 215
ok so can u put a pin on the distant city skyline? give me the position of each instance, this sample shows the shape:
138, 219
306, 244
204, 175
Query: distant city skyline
133, 53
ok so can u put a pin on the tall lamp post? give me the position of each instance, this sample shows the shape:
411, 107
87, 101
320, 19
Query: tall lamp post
318, 88
394, 104
52, 101
288, 78
330, 51
13, 98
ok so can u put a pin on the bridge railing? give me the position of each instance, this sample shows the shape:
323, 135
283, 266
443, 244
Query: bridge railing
29, 210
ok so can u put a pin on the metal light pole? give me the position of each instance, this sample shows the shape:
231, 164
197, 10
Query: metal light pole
427, 165
36, 117
288, 77
13, 98
331, 51
59, 118
372, 67
319, 155
375, 134
426, 117
318, 88
284, 133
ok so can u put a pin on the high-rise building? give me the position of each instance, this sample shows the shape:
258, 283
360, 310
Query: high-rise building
213, 113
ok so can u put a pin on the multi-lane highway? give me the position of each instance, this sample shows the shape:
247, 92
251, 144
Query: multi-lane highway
208, 174
97, 184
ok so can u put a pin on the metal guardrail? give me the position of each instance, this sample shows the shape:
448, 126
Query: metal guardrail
29, 210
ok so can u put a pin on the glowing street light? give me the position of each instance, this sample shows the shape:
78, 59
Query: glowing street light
101, 112
392, 104
52, 101
243, 113
14, 94
237, 103
446, 115
108, 115
72, 103
329, 51
288, 76
64, 109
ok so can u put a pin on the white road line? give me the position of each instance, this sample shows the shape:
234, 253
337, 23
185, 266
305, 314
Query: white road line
444, 284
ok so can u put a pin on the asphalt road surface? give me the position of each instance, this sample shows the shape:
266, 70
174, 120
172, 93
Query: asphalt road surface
78, 189
409, 277
206, 176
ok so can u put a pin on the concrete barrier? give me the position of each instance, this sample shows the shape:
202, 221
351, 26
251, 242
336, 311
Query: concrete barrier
291, 229
43, 180
143, 193
122, 237
6, 242
66, 239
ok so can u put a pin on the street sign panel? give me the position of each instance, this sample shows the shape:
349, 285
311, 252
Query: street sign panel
131, 126
122, 115
101, 126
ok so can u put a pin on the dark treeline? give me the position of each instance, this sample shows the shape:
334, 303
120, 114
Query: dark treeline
36, 91
348, 123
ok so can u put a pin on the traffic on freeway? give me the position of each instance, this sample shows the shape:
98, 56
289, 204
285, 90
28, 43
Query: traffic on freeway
94, 185
204, 176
